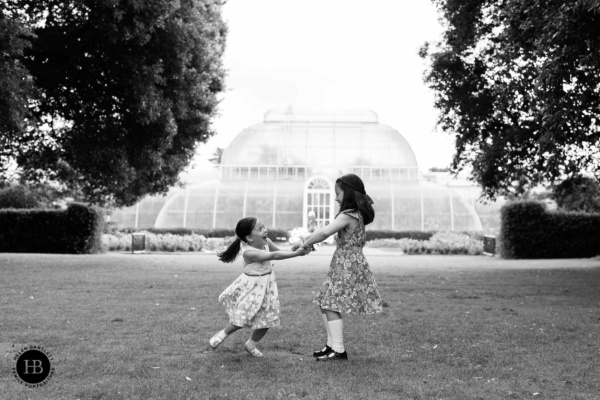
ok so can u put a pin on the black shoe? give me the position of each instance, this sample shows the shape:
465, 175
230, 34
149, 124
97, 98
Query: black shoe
333, 356
324, 351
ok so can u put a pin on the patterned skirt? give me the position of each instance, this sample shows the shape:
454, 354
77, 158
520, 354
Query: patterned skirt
252, 301
350, 286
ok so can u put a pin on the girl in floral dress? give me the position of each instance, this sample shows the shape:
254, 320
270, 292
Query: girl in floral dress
252, 300
350, 286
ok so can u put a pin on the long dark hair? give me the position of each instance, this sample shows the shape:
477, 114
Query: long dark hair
355, 197
243, 228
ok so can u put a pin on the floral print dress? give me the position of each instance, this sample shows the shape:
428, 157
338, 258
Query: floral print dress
350, 286
253, 300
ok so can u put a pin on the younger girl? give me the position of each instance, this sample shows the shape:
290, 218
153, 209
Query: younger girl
252, 299
350, 286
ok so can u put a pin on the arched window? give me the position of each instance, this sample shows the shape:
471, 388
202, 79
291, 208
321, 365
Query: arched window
318, 198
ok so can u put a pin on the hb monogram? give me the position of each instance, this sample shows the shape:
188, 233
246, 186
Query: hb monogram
36, 367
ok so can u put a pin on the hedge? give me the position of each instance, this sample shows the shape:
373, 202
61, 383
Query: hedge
529, 231
381, 234
76, 230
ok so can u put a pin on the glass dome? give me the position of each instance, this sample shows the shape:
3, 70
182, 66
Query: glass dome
286, 166
320, 139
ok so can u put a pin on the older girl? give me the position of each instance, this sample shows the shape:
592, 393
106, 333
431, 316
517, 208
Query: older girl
350, 286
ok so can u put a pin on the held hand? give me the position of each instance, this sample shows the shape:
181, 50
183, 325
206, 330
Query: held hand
301, 251
310, 247
296, 245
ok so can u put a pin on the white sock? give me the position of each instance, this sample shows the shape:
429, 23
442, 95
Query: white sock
329, 341
337, 335
251, 344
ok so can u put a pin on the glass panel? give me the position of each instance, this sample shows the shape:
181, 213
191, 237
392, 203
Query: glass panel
148, 211
289, 205
282, 171
230, 205
407, 206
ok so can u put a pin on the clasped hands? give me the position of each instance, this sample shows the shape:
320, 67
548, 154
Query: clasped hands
300, 244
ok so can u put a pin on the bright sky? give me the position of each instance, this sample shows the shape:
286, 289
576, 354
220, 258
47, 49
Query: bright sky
331, 54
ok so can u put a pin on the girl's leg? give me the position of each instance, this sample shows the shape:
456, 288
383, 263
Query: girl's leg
220, 336
336, 327
331, 315
258, 334
327, 347
230, 328
250, 345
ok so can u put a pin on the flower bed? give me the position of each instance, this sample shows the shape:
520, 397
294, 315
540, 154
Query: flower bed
439, 243
165, 242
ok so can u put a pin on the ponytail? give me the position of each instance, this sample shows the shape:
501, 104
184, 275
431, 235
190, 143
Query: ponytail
231, 253
364, 205
244, 228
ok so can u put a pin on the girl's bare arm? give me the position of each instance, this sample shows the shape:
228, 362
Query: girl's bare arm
260, 256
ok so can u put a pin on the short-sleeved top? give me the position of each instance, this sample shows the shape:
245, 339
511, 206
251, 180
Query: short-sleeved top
256, 268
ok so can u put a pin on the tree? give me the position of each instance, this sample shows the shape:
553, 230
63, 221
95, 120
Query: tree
438, 169
517, 82
16, 86
126, 90
579, 193
216, 156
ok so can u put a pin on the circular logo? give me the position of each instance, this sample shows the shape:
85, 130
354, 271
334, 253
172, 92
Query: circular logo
32, 366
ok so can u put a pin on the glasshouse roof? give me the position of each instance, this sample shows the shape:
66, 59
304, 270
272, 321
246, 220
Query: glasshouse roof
342, 138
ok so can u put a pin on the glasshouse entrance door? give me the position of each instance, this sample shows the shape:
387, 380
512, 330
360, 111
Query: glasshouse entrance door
318, 199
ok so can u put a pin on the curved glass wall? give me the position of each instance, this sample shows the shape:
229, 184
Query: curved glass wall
142, 215
399, 205
285, 167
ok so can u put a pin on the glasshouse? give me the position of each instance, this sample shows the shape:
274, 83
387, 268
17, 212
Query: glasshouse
281, 169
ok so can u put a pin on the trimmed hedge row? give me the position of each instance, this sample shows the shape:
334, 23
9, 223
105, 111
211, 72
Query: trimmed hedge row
417, 235
529, 231
76, 230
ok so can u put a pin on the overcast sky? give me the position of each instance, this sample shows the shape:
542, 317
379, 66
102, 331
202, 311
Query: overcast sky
331, 54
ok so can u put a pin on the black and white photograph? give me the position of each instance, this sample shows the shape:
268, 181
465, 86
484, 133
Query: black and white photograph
285, 199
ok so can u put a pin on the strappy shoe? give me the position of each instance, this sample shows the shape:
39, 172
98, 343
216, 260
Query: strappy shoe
323, 351
333, 356
253, 351
216, 340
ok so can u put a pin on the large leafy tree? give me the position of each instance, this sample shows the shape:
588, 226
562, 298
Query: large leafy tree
16, 86
124, 91
518, 84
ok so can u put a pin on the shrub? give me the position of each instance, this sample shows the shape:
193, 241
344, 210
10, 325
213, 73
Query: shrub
439, 243
273, 233
76, 230
18, 197
383, 234
529, 231
163, 242
578, 193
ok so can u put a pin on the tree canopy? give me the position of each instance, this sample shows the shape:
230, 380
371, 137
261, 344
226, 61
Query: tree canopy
111, 97
579, 193
518, 84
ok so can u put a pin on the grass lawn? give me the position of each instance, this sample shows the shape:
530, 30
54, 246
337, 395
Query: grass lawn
122, 326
